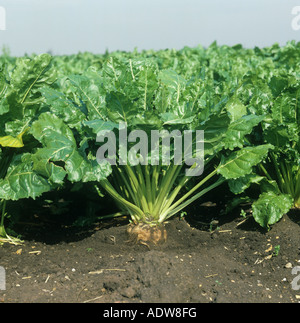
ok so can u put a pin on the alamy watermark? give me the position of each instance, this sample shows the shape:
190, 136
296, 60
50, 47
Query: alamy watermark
296, 20
296, 280
2, 18
2, 278
153, 148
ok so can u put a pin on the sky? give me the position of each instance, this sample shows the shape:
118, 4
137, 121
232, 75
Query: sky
72, 26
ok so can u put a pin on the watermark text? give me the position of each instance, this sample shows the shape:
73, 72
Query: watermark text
139, 147
2, 279
296, 281
296, 20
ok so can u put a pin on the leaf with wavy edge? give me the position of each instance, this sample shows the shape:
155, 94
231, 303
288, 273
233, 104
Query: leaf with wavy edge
270, 207
59, 156
22, 181
242, 161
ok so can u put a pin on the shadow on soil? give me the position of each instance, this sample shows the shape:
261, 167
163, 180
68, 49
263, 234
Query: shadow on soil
209, 257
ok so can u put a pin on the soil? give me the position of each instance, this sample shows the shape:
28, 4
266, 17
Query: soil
220, 259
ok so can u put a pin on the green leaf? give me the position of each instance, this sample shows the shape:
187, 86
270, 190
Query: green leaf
239, 185
30, 74
142, 87
98, 125
120, 108
269, 186
171, 118
214, 132
112, 71
22, 100
174, 82
22, 181
270, 207
64, 108
90, 95
236, 109
237, 130
54, 172
240, 163
278, 84
60, 149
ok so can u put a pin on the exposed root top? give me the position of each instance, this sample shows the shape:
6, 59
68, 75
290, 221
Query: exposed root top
143, 233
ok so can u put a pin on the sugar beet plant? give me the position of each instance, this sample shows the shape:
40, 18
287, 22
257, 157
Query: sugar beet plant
137, 94
21, 104
278, 176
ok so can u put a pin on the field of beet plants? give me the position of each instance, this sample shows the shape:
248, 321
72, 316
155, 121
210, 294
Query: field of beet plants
166, 176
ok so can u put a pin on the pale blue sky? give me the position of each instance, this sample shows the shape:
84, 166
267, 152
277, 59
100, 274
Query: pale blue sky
70, 26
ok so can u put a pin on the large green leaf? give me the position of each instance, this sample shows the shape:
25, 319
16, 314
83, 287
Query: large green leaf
174, 105
237, 130
242, 161
174, 82
63, 107
59, 156
270, 207
120, 108
29, 75
98, 125
21, 99
143, 85
20, 103
239, 185
22, 181
91, 95
214, 133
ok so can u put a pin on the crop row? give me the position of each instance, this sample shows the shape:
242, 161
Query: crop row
56, 112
